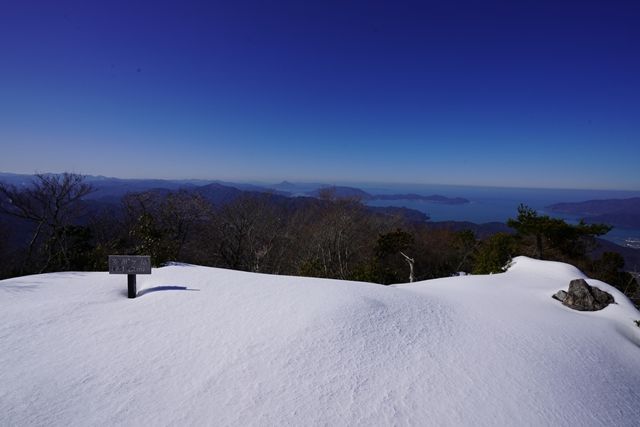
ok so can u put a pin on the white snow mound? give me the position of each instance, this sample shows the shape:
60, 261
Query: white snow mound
207, 346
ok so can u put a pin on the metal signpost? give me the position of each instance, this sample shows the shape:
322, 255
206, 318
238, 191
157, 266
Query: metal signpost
130, 265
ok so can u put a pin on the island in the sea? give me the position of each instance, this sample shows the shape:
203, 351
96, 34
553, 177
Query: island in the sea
618, 212
352, 192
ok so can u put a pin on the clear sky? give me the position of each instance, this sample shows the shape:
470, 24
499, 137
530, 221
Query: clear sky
508, 93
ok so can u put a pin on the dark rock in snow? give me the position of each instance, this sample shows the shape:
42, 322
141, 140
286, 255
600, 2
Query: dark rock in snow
560, 295
583, 297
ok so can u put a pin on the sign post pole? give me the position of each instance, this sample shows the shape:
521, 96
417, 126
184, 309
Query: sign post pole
131, 285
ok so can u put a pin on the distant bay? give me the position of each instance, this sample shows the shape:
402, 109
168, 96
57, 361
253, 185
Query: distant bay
494, 204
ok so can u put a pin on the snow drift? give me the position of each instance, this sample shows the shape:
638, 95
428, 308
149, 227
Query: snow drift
218, 347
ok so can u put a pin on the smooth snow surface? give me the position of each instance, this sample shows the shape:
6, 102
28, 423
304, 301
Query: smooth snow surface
241, 349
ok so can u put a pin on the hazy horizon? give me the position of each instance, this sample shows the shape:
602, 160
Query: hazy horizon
519, 94
366, 184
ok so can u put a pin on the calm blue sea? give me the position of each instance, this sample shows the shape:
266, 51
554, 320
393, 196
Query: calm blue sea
498, 204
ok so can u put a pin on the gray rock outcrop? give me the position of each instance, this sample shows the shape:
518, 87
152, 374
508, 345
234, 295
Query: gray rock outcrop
583, 297
560, 295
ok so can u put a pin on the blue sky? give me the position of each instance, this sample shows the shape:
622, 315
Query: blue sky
509, 93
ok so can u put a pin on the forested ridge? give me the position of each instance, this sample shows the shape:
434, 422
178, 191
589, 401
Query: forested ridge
51, 226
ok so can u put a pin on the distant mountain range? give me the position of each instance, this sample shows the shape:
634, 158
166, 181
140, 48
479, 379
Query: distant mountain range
112, 189
109, 192
617, 212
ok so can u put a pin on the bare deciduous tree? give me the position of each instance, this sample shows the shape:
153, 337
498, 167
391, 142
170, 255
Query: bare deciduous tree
336, 238
250, 228
163, 225
53, 203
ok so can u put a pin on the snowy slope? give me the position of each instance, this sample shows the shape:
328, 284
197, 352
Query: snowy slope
242, 349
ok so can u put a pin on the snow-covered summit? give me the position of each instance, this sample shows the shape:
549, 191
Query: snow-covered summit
206, 346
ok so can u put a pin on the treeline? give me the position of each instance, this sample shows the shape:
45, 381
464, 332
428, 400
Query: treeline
328, 237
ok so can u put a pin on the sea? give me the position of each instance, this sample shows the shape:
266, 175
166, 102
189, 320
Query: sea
489, 204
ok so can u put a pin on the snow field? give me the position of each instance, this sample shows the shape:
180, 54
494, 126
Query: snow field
237, 348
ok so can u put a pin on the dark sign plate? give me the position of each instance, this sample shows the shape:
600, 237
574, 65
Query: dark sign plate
129, 264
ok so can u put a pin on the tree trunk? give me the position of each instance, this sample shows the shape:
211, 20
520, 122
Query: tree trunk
539, 245
410, 261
